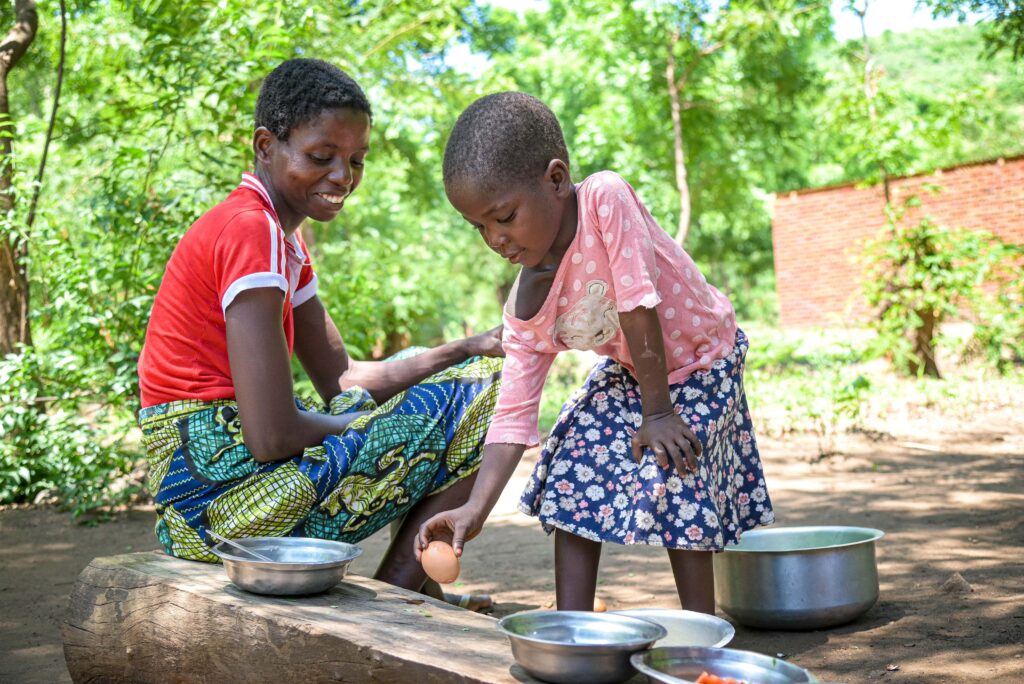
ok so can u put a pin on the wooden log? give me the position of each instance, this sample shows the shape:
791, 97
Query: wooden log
148, 617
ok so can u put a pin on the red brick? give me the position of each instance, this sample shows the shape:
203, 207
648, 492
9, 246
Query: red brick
818, 235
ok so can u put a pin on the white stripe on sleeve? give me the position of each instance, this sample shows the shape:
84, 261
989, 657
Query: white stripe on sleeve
305, 293
275, 241
251, 282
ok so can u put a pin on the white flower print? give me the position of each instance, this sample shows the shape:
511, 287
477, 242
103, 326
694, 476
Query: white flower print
584, 473
548, 508
759, 494
585, 419
620, 501
567, 503
674, 485
692, 393
560, 468
710, 519
644, 520
595, 492
702, 408
592, 435
688, 511
649, 471
618, 446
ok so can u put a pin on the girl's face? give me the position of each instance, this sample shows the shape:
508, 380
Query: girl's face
524, 224
317, 168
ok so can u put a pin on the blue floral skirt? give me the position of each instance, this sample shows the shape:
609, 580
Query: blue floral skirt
588, 483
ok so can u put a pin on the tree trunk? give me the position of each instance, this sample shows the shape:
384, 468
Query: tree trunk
14, 285
923, 339
682, 185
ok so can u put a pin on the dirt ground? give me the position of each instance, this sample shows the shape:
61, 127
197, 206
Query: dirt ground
948, 494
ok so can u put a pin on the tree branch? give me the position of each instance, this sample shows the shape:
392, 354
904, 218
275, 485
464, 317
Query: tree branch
21, 35
53, 120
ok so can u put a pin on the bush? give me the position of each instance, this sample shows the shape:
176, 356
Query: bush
920, 275
54, 438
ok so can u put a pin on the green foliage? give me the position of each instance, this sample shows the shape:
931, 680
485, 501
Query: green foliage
998, 335
155, 127
931, 114
918, 275
53, 439
1003, 21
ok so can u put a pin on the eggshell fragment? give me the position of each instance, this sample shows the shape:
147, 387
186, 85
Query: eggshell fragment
440, 562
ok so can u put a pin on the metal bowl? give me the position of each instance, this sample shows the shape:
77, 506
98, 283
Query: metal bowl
301, 565
686, 627
569, 646
684, 665
798, 577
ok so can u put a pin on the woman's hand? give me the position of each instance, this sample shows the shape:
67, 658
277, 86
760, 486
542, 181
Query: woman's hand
456, 527
669, 437
485, 344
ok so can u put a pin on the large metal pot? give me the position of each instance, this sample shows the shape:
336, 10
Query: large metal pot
798, 577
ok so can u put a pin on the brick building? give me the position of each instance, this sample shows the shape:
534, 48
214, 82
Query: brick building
818, 235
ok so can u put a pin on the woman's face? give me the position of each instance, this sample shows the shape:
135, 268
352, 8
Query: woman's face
320, 164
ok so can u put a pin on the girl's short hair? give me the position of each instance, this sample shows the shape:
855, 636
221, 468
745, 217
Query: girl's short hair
299, 90
503, 139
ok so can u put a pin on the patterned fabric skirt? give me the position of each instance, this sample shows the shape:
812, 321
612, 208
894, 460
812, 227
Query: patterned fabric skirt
425, 439
588, 483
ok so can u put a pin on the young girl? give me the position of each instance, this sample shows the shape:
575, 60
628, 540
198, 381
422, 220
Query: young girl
230, 449
657, 447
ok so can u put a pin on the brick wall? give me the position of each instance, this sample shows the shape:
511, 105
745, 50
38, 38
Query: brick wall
818, 235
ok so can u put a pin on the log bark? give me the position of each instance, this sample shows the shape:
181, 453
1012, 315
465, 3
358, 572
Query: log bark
147, 617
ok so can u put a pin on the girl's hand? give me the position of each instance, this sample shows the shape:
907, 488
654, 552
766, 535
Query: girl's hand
485, 344
456, 527
669, 437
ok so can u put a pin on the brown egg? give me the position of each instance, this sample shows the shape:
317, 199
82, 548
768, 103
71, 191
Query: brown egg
599, 605
440, 562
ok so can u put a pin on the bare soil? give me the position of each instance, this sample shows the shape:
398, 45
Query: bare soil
948, 494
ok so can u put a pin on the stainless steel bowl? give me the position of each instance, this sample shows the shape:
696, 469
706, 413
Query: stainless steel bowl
301, 565
686, 627
798, 577
568, 646
684, 665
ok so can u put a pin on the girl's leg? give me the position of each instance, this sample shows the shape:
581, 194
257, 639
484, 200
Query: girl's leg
399, 566
576, 562
695, 579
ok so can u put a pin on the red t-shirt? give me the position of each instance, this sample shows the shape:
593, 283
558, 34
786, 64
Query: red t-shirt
236, 246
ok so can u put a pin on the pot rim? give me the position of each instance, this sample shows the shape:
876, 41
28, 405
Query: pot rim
872, 535
620, 646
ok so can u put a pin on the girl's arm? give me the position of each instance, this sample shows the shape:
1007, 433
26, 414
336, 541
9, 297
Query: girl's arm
319, 346
272, 426
463, 523
665, 432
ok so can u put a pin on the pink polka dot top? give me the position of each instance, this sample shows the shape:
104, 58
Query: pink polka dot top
619, 260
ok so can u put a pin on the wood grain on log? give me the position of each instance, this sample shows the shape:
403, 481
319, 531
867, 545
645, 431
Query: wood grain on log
147, 617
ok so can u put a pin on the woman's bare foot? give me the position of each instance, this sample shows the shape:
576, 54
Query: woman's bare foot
478, 603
